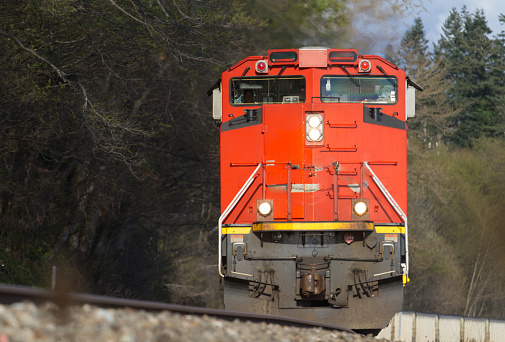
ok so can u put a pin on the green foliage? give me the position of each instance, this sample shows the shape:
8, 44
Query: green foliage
13, 270
292, 24
415, 39
455, 201
106, 141
434, 112
463, 80
474, 65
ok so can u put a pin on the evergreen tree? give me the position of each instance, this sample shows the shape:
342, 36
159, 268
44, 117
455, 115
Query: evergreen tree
475, 68
391, 55
414, 54
416, 39
432, 106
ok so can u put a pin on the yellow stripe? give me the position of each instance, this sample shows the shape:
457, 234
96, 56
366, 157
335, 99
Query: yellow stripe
293, 226
236, 230
267, 226
390, 229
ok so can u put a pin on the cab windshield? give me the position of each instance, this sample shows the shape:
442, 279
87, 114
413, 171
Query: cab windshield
254, 90
357, 89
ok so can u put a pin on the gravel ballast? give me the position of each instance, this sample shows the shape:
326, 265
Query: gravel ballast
25, 322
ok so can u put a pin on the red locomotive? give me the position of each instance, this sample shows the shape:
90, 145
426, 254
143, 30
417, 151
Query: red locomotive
314, 185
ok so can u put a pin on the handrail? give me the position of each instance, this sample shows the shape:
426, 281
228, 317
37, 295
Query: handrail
399, 210
227, 211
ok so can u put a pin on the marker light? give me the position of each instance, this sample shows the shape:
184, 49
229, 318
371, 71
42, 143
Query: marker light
360, 208
265, 208
365, 66
261, 66
348, 238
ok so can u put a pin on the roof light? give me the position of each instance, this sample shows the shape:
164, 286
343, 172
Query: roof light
365, 66
261, 67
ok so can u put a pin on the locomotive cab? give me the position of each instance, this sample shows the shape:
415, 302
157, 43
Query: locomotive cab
313, 185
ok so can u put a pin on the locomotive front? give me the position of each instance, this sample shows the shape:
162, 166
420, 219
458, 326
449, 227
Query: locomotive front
314, 185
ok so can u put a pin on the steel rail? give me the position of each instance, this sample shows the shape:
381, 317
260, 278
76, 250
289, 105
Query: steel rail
10, 294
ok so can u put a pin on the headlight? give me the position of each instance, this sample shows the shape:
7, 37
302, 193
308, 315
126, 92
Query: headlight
314, 134
360, 208
265, 208
314, 127
314, 121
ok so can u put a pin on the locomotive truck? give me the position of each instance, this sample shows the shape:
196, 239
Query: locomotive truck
313, 147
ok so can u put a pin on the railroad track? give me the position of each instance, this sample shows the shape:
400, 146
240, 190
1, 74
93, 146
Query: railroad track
10, 294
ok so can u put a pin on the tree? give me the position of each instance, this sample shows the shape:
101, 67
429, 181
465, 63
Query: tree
433, 108
475, 69
456, 230
107, 143
329, 23
292, 24
414, 48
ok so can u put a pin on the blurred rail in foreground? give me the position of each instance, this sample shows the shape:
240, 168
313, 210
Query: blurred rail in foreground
10, 294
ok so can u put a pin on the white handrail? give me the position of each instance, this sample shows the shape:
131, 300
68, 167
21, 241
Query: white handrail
225, 213
399, 210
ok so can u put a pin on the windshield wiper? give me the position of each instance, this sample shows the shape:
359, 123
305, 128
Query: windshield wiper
280, 72
389, 78
239, 83
277, 78
356, 83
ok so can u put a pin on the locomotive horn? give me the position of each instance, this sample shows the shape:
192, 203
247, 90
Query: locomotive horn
376, 114
250, 114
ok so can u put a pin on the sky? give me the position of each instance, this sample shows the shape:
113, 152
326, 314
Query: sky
437, 12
